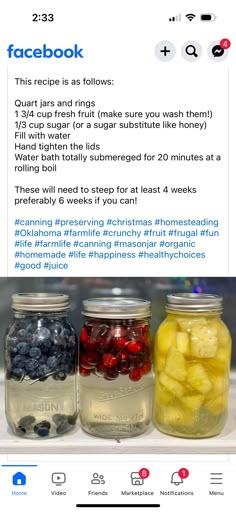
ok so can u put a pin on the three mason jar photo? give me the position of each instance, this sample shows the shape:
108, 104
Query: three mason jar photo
116, 377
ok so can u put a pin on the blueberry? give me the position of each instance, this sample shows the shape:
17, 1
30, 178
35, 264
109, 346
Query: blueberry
23, 348
31, 365
43, 359
63, 427
72, 419
22, 333
35, 353
45, 423
72, 342
69, 369
20, 430
42, 333
52, 362
56, 350
41, 431
65, 358
12, 344
18, 373
45, 346
56, 338
59, 418
42, 428
65, 334
60, 375
42, 370
55, 327
18, 361
26, 421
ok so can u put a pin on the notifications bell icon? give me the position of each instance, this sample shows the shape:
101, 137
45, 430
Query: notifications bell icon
176, 479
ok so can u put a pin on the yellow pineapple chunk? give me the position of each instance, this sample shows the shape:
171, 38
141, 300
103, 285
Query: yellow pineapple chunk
182, 343
221, 361
172, 385
224, 337
187, 323
220, 385
193, 402
217, 405
198, 378
160, 363
175, 416
163, 396
175, 365
204, 342
166, 336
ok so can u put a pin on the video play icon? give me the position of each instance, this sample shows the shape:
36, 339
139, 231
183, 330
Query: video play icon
58, 478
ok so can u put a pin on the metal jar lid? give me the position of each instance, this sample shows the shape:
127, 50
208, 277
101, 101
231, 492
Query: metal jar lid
117, 308
194, 302
38, 302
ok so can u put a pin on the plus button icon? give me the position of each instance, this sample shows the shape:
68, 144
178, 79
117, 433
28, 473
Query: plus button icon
165, 51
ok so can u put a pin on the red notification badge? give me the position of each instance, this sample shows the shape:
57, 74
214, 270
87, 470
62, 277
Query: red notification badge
183, 473
225, 44
144, 473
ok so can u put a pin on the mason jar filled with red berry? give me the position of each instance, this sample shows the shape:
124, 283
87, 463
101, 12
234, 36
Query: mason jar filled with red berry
115, 367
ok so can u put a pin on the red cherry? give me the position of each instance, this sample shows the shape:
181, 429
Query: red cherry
105, 344
134, 347
84, 362
100, 370
135, 374
123, 367
137, 360
84, 372
111, 374
90, 344
123, 355
109, 360
120, 343
93, 358
146, 368
84, 335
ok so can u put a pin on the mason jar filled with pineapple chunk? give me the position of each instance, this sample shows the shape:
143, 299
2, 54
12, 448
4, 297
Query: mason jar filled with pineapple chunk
192, 363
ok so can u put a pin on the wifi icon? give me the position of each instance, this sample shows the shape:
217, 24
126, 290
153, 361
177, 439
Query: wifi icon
190, 17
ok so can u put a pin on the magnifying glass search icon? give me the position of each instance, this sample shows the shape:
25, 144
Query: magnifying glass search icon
191, 50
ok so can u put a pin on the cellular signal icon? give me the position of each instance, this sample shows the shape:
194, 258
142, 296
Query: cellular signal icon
175, 18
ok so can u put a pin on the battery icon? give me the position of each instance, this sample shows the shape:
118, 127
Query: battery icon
207, 17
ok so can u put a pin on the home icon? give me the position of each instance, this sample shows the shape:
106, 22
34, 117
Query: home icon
19, 479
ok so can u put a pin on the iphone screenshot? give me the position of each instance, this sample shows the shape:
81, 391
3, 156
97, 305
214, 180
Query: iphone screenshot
118, 268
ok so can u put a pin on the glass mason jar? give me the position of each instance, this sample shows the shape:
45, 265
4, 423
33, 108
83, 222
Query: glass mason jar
41, 361
115, 367
192, 363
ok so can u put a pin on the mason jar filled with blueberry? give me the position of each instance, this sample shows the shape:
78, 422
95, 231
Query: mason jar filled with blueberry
115, 367
41, 359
